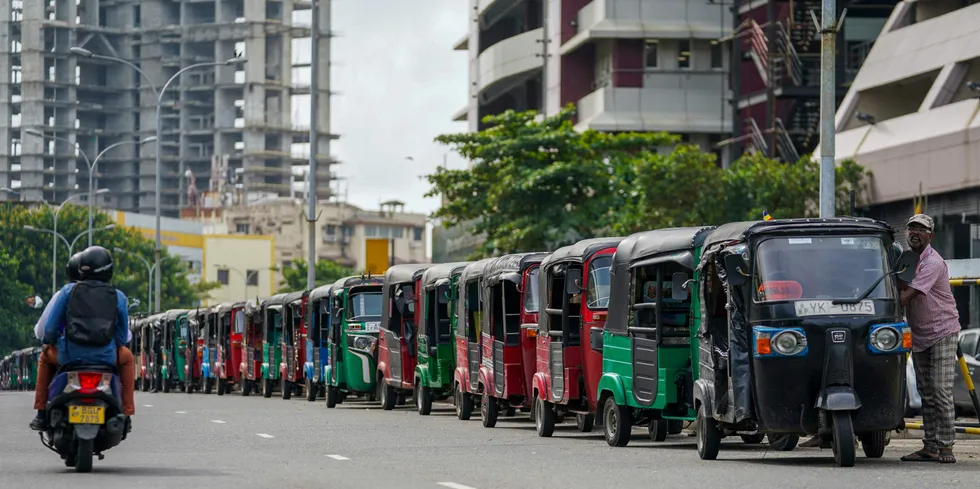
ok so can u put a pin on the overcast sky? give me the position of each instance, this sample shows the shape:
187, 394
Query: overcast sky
400, 82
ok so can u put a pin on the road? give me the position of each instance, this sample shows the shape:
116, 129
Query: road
197, 440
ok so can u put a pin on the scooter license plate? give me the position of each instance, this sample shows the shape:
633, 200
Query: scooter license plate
86, 414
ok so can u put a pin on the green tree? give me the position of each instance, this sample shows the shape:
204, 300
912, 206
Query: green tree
536, 184
327, 272
18, 318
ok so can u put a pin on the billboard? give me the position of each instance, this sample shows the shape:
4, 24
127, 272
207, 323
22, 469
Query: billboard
376, 255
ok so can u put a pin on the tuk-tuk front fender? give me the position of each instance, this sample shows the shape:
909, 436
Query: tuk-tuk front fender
327, 374
460, 377
265, 370
422, 375
838, 398
541, 386
611, 384
308, 370
704, 392
486, 382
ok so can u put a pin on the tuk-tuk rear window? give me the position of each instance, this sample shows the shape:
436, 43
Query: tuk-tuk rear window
365, 304
820, 267
597, 290
532, 301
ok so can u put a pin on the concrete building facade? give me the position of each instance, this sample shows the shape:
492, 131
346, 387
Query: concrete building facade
235, 118
244, 266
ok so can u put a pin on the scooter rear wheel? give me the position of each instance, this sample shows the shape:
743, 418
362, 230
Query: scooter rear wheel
83, 456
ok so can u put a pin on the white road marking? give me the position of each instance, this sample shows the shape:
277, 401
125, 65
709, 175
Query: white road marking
338, 457
218, 421
265, 435
453, 485
181, 412
148, 405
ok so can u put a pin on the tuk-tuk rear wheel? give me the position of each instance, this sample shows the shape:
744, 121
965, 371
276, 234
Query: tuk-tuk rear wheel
874, 443
657, 429
464, 405
311, 390
286, 389
388, 397
617, 423
423, 400
222, 388
843, 442
489, 410
783, 443
246, 387
585, 422
331, 396
709, 437
544, 418
267, 388
753, 439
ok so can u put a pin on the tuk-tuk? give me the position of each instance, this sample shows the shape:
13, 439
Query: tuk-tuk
29, 359
174, 349
209, 348
469, 356
293, 345
648, 346
251, 348
399, 332
271, 338
136, 346
436, 349
195, 350
149, 349
352, 315
508, 340
5, 373
317, 320
567, 374
230, 321
801, 332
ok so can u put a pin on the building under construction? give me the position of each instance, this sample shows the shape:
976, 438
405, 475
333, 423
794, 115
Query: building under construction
229, 123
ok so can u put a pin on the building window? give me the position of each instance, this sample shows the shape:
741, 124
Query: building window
348, 231
370, 231
684, 54
241, 227
253, 277
286, 264
717, 61
418, 232
397, 232
330, 233
651, 52
223, 276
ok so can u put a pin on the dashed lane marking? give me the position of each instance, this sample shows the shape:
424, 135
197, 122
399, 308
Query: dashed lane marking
264, 435
338, 457
217, 421
148, 405
181, 412
453, 485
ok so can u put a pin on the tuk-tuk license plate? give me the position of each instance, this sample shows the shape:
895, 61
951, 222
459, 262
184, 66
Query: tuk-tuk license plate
86, 414
828, 308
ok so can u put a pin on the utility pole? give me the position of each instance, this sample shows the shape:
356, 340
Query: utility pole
311, 216
829, 26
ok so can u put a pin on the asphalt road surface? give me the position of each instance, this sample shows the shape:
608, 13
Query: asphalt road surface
206, 441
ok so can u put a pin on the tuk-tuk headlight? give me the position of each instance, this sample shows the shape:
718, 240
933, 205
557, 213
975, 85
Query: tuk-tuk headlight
361, 342
779, 342
890, 338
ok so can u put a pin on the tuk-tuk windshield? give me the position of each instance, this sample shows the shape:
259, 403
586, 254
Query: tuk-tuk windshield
365, 305
531, 300
598, 286
820, 267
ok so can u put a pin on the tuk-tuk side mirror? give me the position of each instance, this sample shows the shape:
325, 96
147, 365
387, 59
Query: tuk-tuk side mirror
735, 267
573, 281
595, 339
678, 289
907, 263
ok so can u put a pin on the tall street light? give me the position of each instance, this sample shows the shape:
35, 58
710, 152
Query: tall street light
54, 240
85, 53
92, 164
149, 274
70, 246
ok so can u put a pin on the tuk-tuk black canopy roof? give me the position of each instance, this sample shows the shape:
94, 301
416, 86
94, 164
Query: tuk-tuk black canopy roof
474, 270
498, 269
293, 296
739, 231
400, 274
321, 291
228, 306
275, 300
581, 251
641, 246
442, 271
174, 314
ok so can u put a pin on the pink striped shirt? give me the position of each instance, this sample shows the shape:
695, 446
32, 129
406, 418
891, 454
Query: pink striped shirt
932, 315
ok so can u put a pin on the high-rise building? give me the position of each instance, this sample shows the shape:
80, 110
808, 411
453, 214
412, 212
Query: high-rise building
237, 118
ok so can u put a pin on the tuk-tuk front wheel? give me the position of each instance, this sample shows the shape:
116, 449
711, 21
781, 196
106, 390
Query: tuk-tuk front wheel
286, 389
332, 396
585, 422
208, 385
222, 387
388, 397
311, 390
489, 410
657, 429
617, 423
267, 388
464, 404
874, 443
246, 387
709, 436
423, 399
843, 443
166, 386
544, 418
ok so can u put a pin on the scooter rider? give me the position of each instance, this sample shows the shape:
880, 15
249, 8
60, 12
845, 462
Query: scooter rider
88, 321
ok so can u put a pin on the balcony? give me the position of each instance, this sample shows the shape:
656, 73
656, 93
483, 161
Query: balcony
686, 19
511, 57
678, 103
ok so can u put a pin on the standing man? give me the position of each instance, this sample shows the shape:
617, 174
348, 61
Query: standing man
935, 322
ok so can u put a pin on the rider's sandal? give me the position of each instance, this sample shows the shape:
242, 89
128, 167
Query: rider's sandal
921, 456
946, 456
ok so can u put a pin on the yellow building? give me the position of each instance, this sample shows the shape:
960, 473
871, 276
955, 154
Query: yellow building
242, 264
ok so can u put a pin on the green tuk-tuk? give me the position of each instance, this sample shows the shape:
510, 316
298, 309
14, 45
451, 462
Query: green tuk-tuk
354, 312
5, 373
436, 346
271, 339
649, 349
174, 349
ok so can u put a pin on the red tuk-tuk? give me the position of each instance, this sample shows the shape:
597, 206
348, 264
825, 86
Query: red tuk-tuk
469, 355
568, 370
230, 317
195, 350
293, 343
400, 313
509, 284
250, 347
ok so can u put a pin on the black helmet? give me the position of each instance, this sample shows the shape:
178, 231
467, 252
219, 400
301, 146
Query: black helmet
72, 267
95, 263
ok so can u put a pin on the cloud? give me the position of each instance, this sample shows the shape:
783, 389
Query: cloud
400, 83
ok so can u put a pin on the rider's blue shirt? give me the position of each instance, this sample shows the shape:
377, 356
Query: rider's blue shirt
54, 329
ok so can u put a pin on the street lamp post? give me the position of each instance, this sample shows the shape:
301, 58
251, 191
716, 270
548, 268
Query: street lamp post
54, 250
92, 165
244, 275
54, 245
149, 273
85, 53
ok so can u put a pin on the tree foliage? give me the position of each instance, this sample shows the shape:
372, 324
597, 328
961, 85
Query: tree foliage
536, 184
327, 272
27, 268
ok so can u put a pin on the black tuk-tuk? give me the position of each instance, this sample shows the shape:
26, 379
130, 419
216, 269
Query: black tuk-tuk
801, 332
